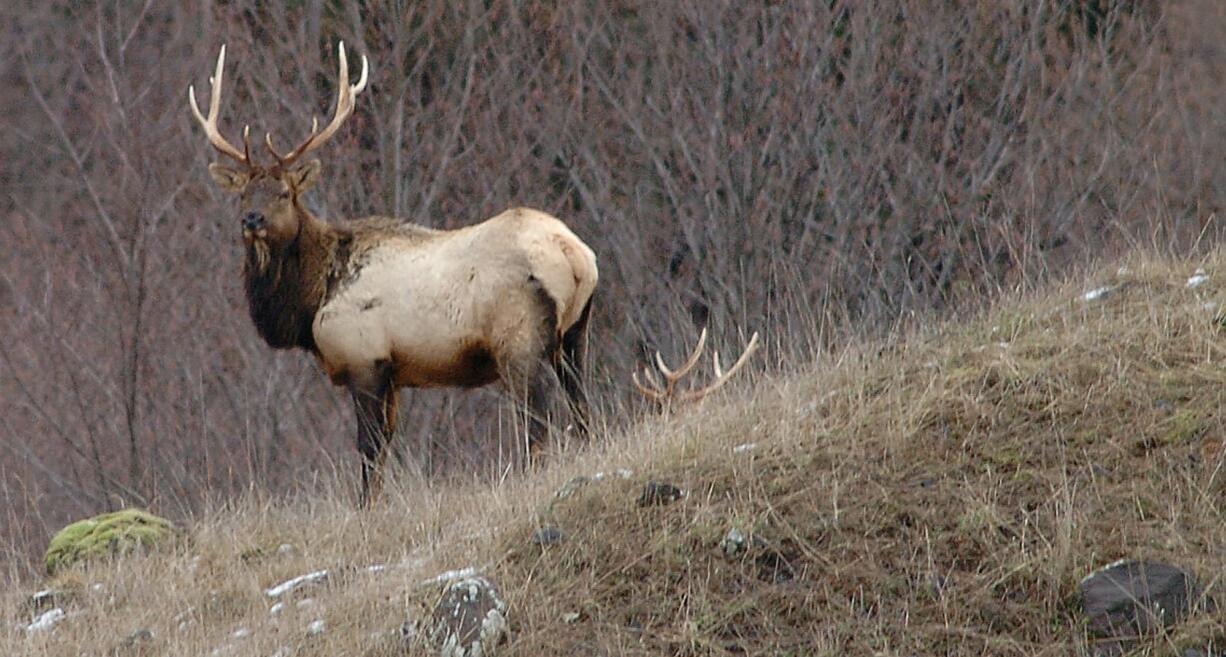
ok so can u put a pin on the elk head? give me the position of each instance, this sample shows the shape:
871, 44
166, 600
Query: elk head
269, 210
668, 393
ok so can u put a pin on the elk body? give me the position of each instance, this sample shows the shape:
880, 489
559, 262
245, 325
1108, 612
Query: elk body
383, 304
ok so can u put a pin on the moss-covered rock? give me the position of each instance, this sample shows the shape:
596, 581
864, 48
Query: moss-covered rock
106, 534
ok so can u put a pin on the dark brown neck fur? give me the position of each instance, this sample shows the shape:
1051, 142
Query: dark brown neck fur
284, 298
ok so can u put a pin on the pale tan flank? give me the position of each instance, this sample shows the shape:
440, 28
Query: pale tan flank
424, 300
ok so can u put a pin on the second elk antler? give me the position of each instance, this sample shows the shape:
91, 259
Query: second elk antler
667, 391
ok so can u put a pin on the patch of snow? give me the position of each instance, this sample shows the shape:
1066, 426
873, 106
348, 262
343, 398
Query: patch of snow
747, 447
276, 609
43, 597
450, 575
46, 620
184, 618
285, 550
621, 473
1198, 278
1113, 564
1096, 293
316, 627
291, 584
376, 568
305, 602
240, 633
96, 587
1122, 271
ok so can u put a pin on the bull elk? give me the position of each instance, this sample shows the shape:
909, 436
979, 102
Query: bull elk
384, 304
668, 393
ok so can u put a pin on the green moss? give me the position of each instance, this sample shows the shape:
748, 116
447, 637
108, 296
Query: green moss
106, 534
1185, 425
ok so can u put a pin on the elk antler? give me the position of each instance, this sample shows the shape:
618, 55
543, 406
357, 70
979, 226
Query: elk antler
668, 393
210, 124
345, 96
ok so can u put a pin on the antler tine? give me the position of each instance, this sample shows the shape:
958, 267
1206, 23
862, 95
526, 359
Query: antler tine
685, 367
723, 377
345, 101
210, 124
653, 393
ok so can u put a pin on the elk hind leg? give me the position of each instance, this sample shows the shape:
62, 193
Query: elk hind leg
375, 405
569, 366
529, 343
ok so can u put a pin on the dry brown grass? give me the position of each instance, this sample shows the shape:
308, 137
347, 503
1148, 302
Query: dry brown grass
940, 492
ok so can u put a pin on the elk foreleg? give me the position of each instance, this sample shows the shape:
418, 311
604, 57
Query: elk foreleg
375, 405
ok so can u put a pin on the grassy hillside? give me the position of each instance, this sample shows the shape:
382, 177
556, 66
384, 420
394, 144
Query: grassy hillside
937, 493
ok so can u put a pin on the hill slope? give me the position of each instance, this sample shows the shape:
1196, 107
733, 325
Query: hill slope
941, 493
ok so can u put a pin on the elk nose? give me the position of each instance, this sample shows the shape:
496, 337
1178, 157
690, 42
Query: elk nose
253, 221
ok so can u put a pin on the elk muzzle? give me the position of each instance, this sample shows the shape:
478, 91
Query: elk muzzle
253, 221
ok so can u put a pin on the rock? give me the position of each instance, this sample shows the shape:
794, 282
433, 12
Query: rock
935, 584
107, 534
735, 543
773, 566
547, 535
656, 493
1129, 599
138, 642
469, 620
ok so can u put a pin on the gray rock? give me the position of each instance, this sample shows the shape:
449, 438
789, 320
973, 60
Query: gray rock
137, 644
137, 639
657, 492
935, 584
470, 619
736, 543
547, 535
1130, 599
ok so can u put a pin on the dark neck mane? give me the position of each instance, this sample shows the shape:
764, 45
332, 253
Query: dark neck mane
284, 297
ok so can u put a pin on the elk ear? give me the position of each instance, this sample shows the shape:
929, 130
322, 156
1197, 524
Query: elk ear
231, 180
302, 176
